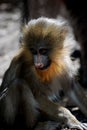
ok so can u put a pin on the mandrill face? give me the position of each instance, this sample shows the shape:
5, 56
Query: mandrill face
43, 40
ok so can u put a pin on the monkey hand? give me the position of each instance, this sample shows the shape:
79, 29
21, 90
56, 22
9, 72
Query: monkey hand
71, 120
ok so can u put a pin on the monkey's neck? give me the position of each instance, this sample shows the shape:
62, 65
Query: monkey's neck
52, 72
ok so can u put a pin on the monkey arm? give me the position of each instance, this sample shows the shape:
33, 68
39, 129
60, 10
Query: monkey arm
9, 76
76, 93
13, 92
59, 113
19, 94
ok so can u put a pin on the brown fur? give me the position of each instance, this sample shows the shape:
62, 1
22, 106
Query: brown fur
34, 95
49, 74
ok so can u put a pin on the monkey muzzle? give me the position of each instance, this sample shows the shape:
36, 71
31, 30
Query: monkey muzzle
39, 65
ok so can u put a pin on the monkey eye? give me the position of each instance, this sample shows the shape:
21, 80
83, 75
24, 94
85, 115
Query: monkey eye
43, 51
33, 51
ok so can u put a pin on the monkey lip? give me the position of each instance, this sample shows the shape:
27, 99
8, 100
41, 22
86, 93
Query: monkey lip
39, 65
42, 66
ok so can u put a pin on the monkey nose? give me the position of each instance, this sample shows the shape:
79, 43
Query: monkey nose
39, 65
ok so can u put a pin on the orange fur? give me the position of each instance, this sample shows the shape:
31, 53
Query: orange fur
52, 72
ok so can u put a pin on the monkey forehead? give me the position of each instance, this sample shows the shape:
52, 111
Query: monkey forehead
45, 28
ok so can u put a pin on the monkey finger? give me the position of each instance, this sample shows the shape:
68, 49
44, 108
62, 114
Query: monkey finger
76, 126
80, 126
84, 126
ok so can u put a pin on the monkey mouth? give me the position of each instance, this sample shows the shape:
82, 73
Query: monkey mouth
43, 67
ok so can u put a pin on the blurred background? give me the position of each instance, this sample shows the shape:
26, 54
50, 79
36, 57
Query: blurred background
9, 32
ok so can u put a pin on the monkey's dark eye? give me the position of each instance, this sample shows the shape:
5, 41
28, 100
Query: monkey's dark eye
33, 51
43, 51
